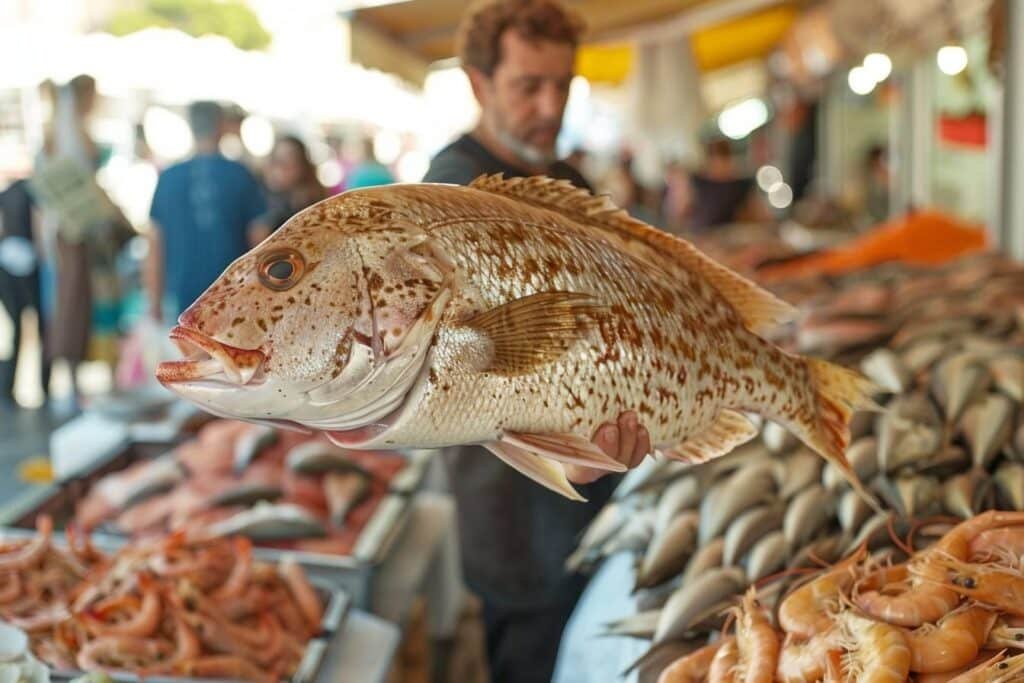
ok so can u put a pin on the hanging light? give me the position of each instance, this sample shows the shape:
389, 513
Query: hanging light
860, 80
952, 59
878, 65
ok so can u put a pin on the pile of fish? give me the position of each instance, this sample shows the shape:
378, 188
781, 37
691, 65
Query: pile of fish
277, 488
947, 346
172, 607
950, 612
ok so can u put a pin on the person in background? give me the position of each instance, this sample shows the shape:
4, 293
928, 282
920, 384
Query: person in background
724, 194
876, 183
292, 184
202, 216
678, 197
368, 172
627, 192
19, 281
515, 535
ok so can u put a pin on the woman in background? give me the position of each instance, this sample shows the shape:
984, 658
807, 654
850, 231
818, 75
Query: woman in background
291, 179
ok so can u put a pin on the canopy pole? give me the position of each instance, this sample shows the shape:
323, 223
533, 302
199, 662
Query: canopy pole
912, 135
1011, 234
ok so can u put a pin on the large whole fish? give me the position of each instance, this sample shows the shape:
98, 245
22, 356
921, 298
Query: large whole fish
520, 314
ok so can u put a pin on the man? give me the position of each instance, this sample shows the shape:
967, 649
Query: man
516, 535
202, 217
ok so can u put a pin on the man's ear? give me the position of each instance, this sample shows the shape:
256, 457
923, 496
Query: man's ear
480, 82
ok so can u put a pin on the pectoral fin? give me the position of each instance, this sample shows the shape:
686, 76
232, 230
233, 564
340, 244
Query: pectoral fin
728, 430
567, 448
543, 471
534, 330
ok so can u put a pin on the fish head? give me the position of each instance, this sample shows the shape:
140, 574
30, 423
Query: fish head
317, 326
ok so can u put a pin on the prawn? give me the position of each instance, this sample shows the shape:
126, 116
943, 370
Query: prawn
693, 668
996, 586
876, 652
951, 643
807, 610
929, 595
223, 667
1005, 545
142, 624
300, 588
28, 554
238, 579
804, 662
121, 652
1006, 634
999, 669
11, 590
756, 640
724, 662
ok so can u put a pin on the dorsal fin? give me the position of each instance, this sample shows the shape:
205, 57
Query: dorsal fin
759, 309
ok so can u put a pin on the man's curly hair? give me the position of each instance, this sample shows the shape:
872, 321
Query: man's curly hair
479, 37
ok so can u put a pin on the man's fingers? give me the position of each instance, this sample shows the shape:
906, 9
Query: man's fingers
578, 474
628, 427
643, 447
607, 439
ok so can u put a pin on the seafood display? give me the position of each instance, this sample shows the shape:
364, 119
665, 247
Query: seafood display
165, 607
520, 314
280, 489
951, 611
947, 347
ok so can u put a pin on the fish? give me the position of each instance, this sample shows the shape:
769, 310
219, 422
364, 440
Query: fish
808, 512
918, 493
682, 494
959, 380
669, 550
606, 524
768, 555
1009, 480
656, 597
1018, 442
962, 494
749, 528
728, 499
852, 511
1008, 373
140, 482
987, 425
874, 532
634, 536
777, 438
863, 458
520, 314
843, 333
251, 443
317, 457
270, 522
923, 354
708, 556
651, 475
246, 494
688, 603
908, 431
344, 491
827, 549
885, 368
639, 625
800, 470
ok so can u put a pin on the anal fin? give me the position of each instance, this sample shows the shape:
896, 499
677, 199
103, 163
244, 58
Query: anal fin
567, 448
728, 430
545, 472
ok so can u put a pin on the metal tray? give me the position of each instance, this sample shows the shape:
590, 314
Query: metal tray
337, 603
354, 573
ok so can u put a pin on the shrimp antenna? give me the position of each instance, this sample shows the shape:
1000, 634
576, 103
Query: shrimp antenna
896, 540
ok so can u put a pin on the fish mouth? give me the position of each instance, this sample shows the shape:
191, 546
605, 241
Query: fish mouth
210, 360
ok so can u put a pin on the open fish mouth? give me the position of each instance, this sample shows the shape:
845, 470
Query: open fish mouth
210, 360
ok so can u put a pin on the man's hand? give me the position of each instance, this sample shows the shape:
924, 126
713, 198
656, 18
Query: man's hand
626, 441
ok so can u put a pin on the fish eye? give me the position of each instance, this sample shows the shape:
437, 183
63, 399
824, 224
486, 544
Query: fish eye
281, 269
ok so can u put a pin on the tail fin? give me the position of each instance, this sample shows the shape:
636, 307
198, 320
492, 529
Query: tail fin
837, 393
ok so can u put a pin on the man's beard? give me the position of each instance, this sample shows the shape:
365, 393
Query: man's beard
530, 155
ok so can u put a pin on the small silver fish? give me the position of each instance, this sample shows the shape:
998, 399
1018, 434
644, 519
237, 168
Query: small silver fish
958, 381
750, 486
749, 528
682, 494
606, 524
808, 513
886, 369
251, 443
344, 491
270, 522
777, 438
1009, 479
909, 430
852, 512
987, 425
639, 625
140, 482
769, 555
801, 469
317, 457
246, 494
708, 556
923, 354
669, 551
692, 599
962, 493
863, 457
827, 549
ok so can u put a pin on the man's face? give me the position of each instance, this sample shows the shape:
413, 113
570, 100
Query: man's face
523, 101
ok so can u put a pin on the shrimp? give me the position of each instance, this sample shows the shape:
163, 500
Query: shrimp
804, 662
225, 667
876, 652
1005, 634
237, 581
996, 586
806, 611
186, 648
951, 643
142, 624
121, 652
11, 590
28, 554
725, 661
999, 669
929, 595
756, 640
1005, 544
693, 668
305, 596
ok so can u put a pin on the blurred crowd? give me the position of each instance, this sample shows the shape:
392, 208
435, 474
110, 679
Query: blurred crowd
64, 243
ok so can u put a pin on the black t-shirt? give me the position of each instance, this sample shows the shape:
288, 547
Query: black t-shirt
515, 534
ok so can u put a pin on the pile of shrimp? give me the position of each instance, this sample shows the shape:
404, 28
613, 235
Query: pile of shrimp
952, 612
171, 607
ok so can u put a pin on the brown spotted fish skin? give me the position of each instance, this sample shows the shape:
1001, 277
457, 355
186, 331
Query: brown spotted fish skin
535, 312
